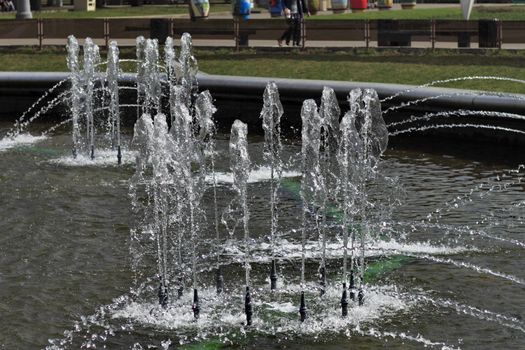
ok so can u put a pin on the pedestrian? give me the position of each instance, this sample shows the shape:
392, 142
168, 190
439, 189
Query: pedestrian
10, 6
294, 11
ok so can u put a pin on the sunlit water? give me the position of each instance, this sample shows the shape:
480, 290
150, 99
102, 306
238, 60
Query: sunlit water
65, 272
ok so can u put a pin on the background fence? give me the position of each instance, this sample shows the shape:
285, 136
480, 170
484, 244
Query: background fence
264, 32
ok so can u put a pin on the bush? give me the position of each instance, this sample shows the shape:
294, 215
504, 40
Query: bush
313, 6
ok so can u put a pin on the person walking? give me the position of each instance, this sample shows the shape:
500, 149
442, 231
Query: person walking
294, 11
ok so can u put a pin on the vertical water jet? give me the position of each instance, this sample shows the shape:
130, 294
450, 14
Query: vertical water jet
188, 70
112, 75
91, 61
312, 182
271, 119
76, 91
329, 112
204, 110
141, 73
240, 167
346, 157
152, 87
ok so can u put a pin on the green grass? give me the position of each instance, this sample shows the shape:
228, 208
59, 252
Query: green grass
122, 11
384, 67
414, 67
507, 13
27, 59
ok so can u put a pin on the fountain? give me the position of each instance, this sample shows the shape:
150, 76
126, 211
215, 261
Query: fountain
359, 258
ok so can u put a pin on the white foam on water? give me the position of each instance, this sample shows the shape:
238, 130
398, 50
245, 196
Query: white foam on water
102, 158
223, 317
270, 317
19, 140
334, 249
286, 307
420, 247
256, 175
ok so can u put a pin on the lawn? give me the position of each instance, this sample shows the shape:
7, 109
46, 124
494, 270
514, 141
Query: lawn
373, 66
506, 13
122, 11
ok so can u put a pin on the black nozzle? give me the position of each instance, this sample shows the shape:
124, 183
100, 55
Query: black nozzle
273, 276
352, 285
361, 297
322, 280
92, 152
119, 155
195, 307
248, 307
74, 153
302, 308
163, 294
180, 290
344, 302
220, 281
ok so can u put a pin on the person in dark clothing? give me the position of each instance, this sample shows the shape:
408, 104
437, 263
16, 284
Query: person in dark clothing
294, 11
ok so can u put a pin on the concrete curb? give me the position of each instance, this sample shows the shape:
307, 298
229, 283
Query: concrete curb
241, 98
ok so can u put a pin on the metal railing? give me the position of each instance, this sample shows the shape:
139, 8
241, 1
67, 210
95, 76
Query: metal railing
264, 32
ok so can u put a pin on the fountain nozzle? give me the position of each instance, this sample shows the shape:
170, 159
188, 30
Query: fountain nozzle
119, 155
273, 276
92, 152
322, 279
248, 307
361, 297
344, 302
352, 285
195, 307
180, 290
220, 281
302, 308
163, 294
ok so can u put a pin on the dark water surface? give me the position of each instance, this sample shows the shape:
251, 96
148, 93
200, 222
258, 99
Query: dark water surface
64, 253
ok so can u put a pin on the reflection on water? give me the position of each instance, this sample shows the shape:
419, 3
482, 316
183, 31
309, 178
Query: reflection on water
454, 253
